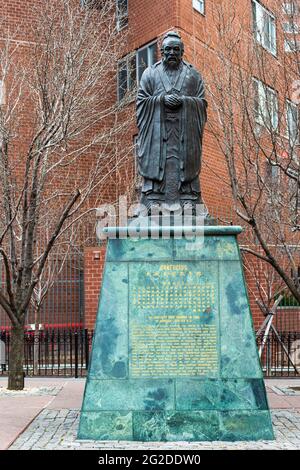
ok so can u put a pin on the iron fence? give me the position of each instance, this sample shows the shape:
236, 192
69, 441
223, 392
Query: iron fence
280, 355
52, 352
66, 353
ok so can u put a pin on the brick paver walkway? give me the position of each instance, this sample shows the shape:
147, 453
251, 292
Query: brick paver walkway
52, 406
57, 429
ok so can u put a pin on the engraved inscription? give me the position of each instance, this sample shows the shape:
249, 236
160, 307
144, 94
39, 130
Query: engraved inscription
173, 328
173, 350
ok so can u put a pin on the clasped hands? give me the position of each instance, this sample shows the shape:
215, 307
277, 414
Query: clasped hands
173, 101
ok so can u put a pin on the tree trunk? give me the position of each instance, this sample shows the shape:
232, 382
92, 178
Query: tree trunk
16, 358
36, 345
36, 350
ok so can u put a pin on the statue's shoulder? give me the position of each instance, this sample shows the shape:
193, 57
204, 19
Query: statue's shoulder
150, 71
188, 64
192, 69
157, 64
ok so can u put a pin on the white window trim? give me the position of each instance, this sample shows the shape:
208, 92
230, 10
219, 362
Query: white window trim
295, 106
274, 174
2, 92
119, 18
290, 8
146, 46
199, 5
262, 118
290, 27
292, 173
258, 27
291, 45
126, 60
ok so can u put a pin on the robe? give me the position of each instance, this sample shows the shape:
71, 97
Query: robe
151, 122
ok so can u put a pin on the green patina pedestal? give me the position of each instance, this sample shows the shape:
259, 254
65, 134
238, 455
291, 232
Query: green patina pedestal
174, 356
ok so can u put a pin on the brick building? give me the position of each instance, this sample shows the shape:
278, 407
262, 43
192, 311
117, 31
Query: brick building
195, 20
146, 22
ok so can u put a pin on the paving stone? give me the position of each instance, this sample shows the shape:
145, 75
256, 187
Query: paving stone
61, 433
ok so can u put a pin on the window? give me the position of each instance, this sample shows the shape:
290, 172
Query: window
126, 75
2, 92
290, 8
122, 14
265, 105
291, 45
272, 173
292, 121
291, 28
146, 56
131, 67
91, 3
264, 27
199, 5
294, 188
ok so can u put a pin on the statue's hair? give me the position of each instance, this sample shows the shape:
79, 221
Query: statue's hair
172, 34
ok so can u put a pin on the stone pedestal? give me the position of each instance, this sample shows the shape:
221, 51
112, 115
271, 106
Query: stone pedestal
174, 356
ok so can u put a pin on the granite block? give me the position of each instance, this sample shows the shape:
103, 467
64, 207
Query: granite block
135, 249
115, 426
206, 248
176, 426
110, 343
212, 394
138, 394
245, 426
239, 357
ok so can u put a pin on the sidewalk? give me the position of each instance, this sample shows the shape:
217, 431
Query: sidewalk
46, 416
17, 412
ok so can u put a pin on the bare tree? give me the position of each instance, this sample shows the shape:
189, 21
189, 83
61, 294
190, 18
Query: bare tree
59, 120
251, 81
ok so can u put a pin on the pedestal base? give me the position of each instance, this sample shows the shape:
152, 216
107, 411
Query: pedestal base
174, 356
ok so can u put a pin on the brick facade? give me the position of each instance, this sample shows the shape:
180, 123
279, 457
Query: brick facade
148, 21
94, 258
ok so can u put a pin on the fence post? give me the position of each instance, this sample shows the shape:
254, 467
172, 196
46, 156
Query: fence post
76, 355
87, 350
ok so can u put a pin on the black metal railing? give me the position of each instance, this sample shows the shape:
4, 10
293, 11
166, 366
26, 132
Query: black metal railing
66, 353
280, 355
52, 352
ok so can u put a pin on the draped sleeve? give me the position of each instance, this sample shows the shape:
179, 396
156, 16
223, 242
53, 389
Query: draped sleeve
194, 119
149, 111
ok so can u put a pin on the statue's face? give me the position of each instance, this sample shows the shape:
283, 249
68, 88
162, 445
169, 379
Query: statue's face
172, 51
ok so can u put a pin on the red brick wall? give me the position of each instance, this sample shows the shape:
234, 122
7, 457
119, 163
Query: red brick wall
94, 258
257, 314
148, 20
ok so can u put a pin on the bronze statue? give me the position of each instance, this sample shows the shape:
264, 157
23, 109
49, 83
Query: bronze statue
171, 114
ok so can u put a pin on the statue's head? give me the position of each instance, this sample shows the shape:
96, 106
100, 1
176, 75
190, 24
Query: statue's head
172, 49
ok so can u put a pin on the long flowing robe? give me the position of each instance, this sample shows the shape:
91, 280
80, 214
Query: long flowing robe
152, 139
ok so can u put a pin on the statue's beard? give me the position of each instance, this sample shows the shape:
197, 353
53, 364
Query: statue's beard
172, 64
